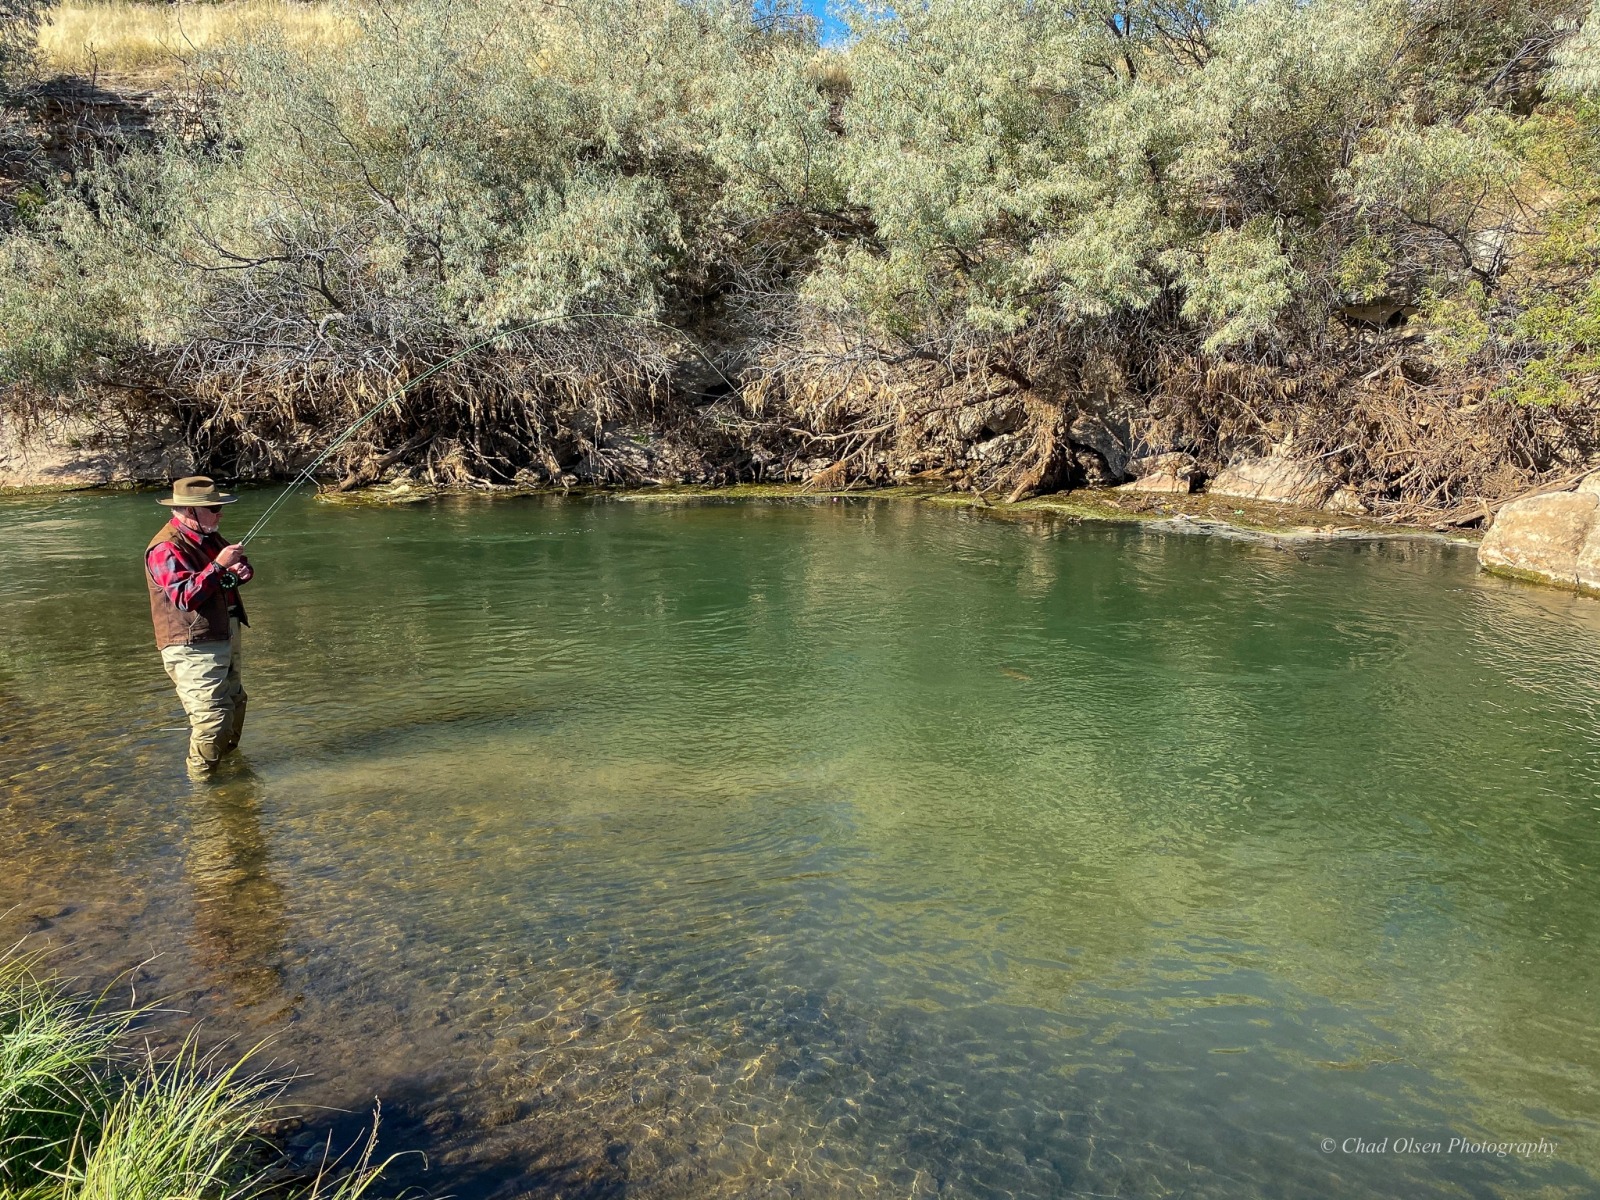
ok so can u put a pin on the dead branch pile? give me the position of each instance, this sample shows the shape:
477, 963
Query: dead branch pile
1416, 444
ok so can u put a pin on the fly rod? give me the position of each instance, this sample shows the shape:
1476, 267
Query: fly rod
355, 426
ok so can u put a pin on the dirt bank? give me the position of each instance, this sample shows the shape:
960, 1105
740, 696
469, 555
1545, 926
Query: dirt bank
67, 454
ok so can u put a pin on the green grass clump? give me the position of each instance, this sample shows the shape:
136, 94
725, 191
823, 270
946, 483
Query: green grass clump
58, 1068
84, 1118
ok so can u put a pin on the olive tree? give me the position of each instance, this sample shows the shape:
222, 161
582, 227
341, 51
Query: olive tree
19, 27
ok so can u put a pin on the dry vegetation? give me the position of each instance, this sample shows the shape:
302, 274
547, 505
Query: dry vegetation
1012, 246
121, 37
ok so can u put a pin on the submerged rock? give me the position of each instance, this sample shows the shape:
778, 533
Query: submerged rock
1552, 539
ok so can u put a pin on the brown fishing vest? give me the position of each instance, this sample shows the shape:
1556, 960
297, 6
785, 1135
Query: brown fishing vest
208, 622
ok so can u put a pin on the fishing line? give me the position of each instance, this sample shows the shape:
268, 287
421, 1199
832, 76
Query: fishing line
355, 426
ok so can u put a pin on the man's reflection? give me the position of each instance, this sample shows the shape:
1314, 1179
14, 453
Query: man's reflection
240, 914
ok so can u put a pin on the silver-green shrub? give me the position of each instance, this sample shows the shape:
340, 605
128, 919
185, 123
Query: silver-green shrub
1173, 207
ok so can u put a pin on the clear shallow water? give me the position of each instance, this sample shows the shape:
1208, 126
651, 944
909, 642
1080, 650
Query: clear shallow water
856, 850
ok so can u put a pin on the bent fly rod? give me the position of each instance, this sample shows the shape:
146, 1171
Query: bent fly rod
355, 426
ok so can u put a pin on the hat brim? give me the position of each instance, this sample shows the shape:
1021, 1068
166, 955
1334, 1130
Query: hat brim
223, 498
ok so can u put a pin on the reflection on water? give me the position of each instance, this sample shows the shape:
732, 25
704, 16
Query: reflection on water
842, 850
239, 909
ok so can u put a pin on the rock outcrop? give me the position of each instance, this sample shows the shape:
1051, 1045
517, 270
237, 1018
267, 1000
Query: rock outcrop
1094, 432
1164, 474
1348, 501
71, 455
1552, 539
1276, 480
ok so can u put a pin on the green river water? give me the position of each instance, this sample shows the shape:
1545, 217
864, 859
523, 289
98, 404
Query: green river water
861, 849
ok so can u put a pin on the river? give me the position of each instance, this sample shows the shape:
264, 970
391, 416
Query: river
851, 849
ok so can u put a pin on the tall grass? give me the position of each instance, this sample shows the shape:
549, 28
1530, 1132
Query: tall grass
122, 37
58, 1067
81, 1118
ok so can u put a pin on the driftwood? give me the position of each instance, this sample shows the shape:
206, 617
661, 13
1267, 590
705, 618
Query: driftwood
1485, 510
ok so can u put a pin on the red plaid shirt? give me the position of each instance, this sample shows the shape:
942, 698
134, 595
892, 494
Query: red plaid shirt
184, 587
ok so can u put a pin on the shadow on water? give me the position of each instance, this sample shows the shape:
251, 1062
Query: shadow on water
418, 730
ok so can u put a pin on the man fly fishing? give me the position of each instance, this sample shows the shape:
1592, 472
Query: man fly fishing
194, 575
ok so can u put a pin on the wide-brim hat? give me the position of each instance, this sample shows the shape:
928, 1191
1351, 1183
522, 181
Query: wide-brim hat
196, 491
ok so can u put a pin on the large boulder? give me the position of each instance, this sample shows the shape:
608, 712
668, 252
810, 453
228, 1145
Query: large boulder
1275, 479
1554, 538
974, 422
50, 467
1093, 432
1589, 558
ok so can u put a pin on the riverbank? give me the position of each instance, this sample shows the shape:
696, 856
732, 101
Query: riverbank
75, 459
1198, 512
74, 454
1195, 513
79, 457
903, 276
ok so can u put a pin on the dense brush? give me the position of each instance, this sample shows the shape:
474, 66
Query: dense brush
1014, 246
